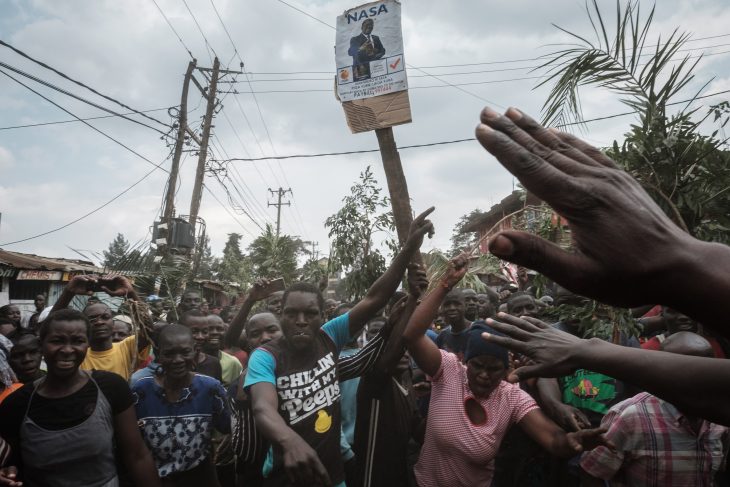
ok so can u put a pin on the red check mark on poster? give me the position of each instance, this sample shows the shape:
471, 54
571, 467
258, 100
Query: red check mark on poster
395, 64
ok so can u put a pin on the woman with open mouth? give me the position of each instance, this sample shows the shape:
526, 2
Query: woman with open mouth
62, 428
471, 405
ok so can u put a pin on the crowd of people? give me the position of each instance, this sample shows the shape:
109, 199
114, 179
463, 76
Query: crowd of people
432, 385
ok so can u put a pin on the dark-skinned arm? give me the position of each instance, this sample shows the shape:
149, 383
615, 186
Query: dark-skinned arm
301, 462
256, 294
78, 285
395, 345
120, 286
382, 289
422, 349
627, 251
556, 441
568, 417
137, 458
695, 385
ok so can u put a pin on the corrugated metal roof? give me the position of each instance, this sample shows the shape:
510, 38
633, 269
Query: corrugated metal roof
37, 262
510, 204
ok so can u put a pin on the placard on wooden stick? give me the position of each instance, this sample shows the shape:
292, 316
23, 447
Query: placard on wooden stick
371, 79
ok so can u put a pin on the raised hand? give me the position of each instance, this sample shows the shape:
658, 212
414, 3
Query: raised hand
551, 351
417, 279
259, 290
628, 252
419, 228
115, 285
83, 285
457, 269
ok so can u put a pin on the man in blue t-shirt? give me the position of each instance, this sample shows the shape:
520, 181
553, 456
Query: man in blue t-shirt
293, 381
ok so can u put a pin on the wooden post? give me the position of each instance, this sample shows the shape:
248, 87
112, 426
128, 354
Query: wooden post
202, 155
182, 125
400, 201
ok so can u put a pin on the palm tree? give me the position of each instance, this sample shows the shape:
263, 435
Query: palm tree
687, 173
274, 256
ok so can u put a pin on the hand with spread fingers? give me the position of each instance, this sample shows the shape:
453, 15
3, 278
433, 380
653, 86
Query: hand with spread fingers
552, 352
628, 251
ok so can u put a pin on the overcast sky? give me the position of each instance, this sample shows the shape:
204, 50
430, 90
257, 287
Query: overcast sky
54, 174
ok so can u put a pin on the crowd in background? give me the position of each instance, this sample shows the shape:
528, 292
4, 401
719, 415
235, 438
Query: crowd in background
431, 384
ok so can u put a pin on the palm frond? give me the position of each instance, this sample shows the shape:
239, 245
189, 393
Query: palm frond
615, 63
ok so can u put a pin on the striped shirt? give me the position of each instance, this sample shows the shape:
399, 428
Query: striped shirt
456, 452
656, 445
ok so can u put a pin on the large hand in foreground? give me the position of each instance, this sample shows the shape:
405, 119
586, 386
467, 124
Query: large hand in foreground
552, 351
628, 250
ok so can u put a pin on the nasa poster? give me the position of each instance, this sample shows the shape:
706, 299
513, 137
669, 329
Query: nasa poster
369, 51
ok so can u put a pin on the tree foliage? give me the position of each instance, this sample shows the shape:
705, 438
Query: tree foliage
686, 172
234, 266
364, 214
208, 263
273, 256
119, 256
461, 241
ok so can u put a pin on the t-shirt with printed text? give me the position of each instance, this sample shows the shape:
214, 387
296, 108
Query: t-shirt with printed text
309, 395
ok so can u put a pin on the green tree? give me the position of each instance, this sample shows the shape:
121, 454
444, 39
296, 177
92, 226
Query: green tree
461, 241
117, 253
208, 262
687, 172
313, 271
364, 213
275, 256
234, 266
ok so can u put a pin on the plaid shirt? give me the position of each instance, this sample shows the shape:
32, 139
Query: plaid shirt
656, 446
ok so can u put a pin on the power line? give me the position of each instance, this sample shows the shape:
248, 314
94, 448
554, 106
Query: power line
228, 211
173, 30
79, 83
450, 85
157, 166
81, 99
42, 124
98, 208
344, 153
447, 142
483, 63
525, 78
241, 184
205, 39
458, 73
260, 112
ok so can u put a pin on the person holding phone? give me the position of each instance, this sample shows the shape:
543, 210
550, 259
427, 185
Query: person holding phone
122, 357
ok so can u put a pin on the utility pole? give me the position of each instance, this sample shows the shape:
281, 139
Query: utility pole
203, 153
397, 186
182, 127
315, 252
280, 193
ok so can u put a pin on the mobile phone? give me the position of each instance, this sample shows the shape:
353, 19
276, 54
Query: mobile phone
274, 286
